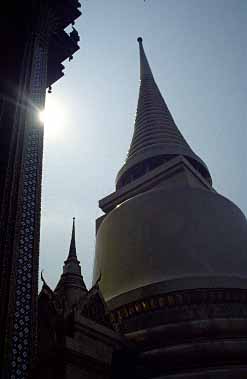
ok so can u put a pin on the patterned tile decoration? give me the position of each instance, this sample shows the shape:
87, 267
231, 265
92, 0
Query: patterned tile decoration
32, 160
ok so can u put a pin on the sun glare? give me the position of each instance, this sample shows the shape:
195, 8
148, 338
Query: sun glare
42, 116
53, 117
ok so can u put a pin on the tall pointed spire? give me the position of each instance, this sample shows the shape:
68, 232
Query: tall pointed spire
156, 137
71, 283
72, 248
72, 264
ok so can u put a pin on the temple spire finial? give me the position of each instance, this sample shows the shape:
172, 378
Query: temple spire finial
72, 265
71, 282
72, 248
145, 70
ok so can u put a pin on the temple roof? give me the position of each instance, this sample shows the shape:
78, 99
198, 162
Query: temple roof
156, 135
21, 18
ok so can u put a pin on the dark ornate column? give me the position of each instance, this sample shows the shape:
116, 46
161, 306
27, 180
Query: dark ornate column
25, 187
34, 44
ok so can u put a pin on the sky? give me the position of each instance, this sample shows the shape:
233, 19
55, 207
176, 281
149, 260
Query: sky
198, 54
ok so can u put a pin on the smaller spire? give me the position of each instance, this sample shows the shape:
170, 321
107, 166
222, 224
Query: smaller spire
72, 264
72, 248
71, 283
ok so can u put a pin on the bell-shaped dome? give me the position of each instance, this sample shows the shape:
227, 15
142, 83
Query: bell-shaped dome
182, 237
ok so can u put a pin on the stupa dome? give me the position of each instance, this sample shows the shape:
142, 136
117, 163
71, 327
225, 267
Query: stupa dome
180, 238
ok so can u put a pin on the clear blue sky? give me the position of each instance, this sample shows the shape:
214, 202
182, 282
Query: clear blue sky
198, 54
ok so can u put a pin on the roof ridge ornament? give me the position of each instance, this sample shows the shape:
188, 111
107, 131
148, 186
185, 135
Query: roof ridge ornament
42, 277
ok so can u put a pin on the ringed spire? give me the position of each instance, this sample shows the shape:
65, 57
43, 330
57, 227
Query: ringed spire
71, 278
156, 137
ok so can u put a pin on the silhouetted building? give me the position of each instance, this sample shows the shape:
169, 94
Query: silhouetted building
170, 284
34, 45
76, 338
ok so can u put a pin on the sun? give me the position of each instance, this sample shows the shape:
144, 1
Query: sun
53, 117
42, 116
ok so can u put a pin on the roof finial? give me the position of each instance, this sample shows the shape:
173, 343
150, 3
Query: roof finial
145, 70
71, 277
45, 285
72, 249
42, 277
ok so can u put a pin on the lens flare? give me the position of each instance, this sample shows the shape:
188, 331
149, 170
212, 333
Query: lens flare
42, 116
53, 118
